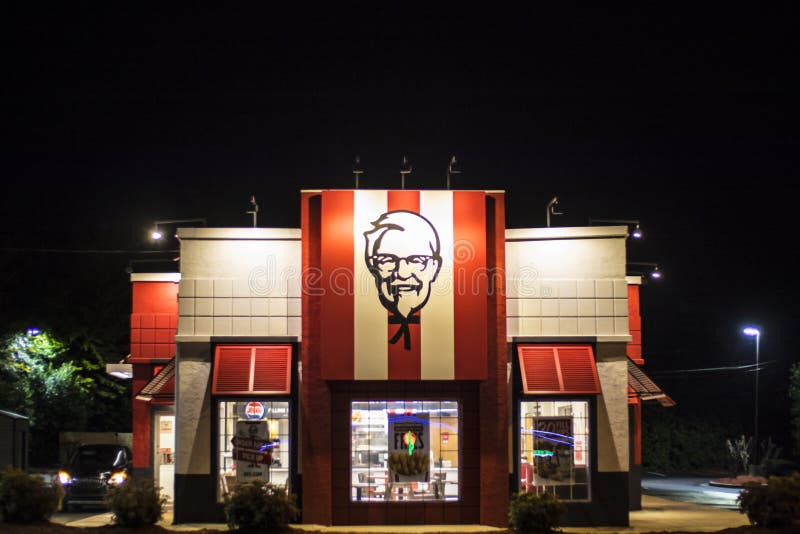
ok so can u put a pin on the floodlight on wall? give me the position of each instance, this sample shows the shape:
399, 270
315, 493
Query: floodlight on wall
651, 269
636, 228
123, 371
156, 233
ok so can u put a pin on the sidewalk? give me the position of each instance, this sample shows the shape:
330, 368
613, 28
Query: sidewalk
657, 515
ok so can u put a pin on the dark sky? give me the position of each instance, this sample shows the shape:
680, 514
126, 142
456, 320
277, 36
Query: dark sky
117, 116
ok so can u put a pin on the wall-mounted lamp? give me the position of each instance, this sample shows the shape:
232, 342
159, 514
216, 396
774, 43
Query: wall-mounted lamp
156, 233
636, 229
653, 272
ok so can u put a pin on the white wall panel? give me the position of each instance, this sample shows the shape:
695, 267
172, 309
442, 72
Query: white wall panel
571, 280
235, 282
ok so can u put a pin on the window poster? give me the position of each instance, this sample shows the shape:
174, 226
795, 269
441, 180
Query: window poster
553, 443
252, 451
410, 445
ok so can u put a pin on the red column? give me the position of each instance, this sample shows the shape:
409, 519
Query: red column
314, 392
493, 392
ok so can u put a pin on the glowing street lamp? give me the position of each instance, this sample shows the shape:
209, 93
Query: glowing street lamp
751, 331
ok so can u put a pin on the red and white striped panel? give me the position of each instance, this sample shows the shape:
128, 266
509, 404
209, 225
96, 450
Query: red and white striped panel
449, 340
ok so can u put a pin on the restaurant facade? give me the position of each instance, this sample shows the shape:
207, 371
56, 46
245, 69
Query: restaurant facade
402, 358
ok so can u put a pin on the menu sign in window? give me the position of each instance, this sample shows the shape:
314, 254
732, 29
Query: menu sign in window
252, 451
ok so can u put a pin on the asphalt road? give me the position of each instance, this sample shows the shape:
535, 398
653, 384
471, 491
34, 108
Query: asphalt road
691, 489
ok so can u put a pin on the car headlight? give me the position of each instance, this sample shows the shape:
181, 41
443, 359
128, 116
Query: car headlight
118, 478
64, 478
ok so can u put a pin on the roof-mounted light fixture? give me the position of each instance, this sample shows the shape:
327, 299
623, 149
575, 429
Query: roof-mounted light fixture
634, 224
653, 271
452, 168
156, 233
405, 169
357, 170
253, 210
551, 210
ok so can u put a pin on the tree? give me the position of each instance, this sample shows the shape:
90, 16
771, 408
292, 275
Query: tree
58, 385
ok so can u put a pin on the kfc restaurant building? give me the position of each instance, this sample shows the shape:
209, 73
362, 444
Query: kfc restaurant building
401, 358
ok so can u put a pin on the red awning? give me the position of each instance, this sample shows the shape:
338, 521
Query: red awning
558, 370
161, 386
252, 370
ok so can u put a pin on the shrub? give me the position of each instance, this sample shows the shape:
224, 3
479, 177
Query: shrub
136, 504
26, 498
259, 506
775, 505
530, 513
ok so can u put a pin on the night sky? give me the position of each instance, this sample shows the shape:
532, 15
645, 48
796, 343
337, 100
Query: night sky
114, 117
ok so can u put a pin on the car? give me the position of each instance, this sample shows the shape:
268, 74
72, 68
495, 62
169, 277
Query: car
91, 471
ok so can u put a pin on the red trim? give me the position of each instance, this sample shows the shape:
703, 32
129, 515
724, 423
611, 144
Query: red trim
404, 364
634, 348
558, 370
470, 313
252, 369
337, 315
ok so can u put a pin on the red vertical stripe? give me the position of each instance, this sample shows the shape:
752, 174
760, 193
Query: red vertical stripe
403, 200
404, 364
470, 283
336, 317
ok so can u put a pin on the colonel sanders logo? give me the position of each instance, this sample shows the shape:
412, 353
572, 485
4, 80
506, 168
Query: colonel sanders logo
402, 253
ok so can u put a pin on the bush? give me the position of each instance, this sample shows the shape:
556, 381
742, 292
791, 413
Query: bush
26, 498
258, 506
775, 505
530, 513
136, 504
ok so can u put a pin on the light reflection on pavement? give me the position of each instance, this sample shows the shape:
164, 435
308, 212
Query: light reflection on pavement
691, 489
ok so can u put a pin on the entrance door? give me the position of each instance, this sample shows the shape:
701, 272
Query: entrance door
165, 454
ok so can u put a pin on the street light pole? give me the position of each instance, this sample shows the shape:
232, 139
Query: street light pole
755, 332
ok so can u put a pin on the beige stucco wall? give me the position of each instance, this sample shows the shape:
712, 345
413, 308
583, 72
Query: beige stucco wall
612, 408
193, 409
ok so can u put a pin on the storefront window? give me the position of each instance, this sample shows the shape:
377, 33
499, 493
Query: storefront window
404, 450
554, 448
253, 443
